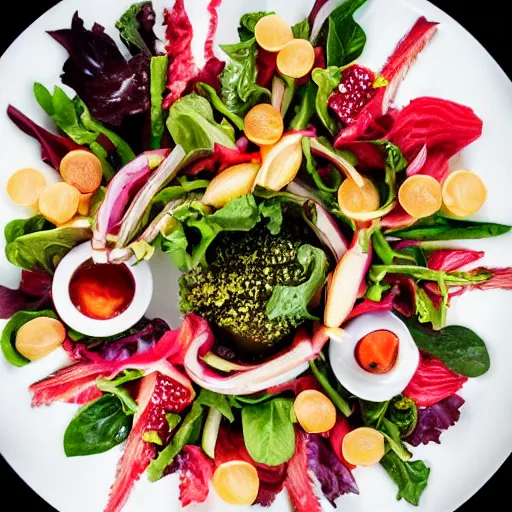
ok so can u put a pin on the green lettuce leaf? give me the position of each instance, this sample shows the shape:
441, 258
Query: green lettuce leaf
248, 23
209, 92
115, 387
293, 301
306, 108
239, 88
217, 402
268, 431
327, 80
192, 125
301, 29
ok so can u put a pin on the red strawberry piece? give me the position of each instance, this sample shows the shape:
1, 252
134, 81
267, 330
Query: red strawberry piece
355, 92
196, 472
158, 395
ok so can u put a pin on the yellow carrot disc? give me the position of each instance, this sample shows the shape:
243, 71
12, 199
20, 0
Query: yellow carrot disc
85, 204
236, 181
82, 170
315, 412
296, 59
40, 337
263, 124
464, 193
420, 196
352, 198
236, 482
24, 187
363, 446
273, 32
59, 202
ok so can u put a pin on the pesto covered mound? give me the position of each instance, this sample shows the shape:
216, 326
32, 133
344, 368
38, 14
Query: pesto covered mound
232, 293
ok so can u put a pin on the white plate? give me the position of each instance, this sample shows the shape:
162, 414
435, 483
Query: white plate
454, 66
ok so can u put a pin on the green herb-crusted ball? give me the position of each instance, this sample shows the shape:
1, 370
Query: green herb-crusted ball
232, 293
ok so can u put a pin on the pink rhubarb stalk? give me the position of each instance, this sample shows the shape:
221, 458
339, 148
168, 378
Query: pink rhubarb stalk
394, 72
346, 281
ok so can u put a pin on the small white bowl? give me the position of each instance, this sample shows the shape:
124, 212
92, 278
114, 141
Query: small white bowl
70, 315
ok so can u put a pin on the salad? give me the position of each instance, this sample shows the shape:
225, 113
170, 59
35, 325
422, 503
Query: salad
311, 218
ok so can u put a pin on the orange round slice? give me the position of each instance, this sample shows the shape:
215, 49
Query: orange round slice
84, 204
263, 124
236, 482
420, 196
236, 181
296, 59
59, 202
25, 186
464, 193
273, 32
315, 412
39, 337
363, 446
82, 170
355, 199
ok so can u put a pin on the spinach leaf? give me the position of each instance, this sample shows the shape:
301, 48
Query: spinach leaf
123, 149
248, 24
301, 30
313, 171
192, 125
98, 427
158, 82
306, 108
459, 348
321, 373
239, 88
292, 301
20, 227
239, 401
272, 210
177, 191
240, 214
8, 339
43, 250
182, 437
410, 477
115, 387
209, 92
268, 431
438, 228
346, 39
327, 80
403, 412
392, 434
216, 401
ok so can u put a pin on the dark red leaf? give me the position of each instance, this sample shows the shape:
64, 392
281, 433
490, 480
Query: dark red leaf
196, 472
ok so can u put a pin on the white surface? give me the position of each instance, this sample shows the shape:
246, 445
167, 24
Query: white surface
366, 385
141, 274
454, 66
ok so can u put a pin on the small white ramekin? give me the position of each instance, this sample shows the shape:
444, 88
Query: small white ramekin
70, 315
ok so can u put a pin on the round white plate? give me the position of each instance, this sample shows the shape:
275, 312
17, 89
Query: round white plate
453, 66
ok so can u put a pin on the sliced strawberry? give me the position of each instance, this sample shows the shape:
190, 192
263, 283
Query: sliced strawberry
196, 472
394, 72
433, 382
230, 446
354, 93
158, 395
299, 481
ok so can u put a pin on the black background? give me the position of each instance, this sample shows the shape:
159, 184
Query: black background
488, 26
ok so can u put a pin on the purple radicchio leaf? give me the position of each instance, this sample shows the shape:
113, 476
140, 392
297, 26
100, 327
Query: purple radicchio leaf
53, 147
110, 86
33, 294
137, 340
335, 478
434, 419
